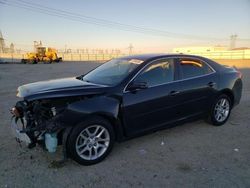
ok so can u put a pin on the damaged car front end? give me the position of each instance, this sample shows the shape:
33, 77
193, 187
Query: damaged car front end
46, 115
35, 121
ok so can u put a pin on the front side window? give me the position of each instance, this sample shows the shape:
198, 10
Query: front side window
160, 72
191, 68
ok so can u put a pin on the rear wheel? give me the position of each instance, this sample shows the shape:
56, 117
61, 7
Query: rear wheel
220, 110
91, 141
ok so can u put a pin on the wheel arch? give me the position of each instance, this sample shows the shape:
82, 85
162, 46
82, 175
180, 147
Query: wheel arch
229, 93
114, 121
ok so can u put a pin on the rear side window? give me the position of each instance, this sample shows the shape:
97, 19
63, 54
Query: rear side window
160, 72
191, 68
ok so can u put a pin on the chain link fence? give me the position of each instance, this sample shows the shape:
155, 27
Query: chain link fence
16, 58
230, 55
88, 57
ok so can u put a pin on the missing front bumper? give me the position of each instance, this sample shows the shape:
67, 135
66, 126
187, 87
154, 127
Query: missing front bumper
17, 131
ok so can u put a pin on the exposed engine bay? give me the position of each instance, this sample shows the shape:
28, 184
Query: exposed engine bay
33, 120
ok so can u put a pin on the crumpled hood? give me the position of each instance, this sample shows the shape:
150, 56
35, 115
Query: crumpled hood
58, 87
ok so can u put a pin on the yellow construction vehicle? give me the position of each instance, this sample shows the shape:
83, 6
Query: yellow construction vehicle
42, 54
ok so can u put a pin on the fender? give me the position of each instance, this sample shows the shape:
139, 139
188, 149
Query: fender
231, 84
100, 104
237, 91
103, 105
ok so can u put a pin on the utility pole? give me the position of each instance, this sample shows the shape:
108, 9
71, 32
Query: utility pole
35, 45
130, 48
65, 48
2, 44
233, 41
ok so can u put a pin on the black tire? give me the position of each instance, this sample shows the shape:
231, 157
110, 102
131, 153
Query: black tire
212, 117
74, 138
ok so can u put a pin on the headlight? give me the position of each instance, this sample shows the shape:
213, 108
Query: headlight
15, 112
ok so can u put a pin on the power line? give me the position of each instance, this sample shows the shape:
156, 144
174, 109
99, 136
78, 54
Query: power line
101, 22
75, 17
98, 20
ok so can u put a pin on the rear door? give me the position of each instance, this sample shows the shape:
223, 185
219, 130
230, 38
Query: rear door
197, 83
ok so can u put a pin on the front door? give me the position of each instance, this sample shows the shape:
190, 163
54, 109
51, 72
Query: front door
154, 106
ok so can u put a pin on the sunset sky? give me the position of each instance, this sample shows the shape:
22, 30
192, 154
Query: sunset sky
184, 23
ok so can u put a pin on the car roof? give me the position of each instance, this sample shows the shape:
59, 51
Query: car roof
148, 57
145, 57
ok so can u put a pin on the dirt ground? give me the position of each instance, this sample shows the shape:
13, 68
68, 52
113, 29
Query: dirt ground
191, 155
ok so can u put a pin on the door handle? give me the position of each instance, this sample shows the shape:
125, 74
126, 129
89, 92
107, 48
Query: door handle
173, 93
211, 84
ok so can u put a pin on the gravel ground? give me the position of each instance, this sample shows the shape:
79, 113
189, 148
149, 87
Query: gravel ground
192, 155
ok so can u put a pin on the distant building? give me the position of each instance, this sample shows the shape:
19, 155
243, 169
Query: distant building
215, 52
199, 49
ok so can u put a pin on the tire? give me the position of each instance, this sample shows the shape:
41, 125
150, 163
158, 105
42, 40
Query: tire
214, 117
87, 148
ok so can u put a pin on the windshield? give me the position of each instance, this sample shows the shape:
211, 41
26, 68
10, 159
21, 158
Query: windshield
112, 72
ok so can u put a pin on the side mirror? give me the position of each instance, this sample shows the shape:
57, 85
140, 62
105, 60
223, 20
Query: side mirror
135, 85
80, 77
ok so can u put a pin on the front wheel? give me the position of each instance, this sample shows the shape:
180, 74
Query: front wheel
220, 110
91, 141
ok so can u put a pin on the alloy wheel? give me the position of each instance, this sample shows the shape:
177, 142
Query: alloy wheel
92, 142
221, 110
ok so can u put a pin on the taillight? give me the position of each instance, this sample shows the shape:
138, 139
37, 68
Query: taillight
239, 74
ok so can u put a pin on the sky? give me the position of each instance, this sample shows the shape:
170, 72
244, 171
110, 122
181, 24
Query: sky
209, 22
